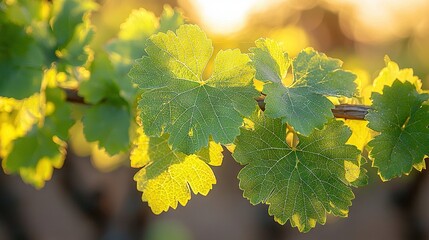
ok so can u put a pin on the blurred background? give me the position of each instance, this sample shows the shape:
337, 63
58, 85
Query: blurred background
96, 198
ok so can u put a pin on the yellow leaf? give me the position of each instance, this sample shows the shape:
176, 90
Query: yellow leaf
173, 185
361, 134
167, 177
391, 72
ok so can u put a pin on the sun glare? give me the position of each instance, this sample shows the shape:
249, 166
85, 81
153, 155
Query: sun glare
366, 20
224, 16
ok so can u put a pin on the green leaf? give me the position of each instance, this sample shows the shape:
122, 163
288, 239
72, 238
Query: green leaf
27, 151
58, 118
43, 148
353, 169
302, 104
77, 51
177, 100
68, 15
34, 156
139, 25
134, 31
402, 120
21, 62
299, 183
23, 12
269, 60
167, 177
130, 43
108, 123
102, 82
171, 19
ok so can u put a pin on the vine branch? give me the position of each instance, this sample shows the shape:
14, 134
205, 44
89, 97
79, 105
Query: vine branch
346, 111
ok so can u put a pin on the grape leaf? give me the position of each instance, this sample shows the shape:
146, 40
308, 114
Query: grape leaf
300, 183
21, 62
58, 118
391, 73
68, 15
130, 43
402, 120
170, 20
77, 52
302, 104
355, 173
139, 26
167, 177
269, 60
108, 123
24, 12
17, 117
34, 156
101, 84
135, 30
176, 100
43, 148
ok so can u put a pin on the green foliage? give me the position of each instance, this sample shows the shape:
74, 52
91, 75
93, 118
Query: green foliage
102, 82
296, 158
403, 127
44, 144
131, 42
71, 29
21, 62
68, 15
110, 88
30, 44
178, 101
303, 103
300, 183
108, 123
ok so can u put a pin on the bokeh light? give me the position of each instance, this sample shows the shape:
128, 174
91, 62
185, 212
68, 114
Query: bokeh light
226, 16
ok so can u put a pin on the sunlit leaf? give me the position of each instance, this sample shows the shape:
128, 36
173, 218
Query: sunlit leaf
35, 154
131, 43
391, 72
170, 20
301, 183
402, 120
167, 177
176, 100
68, 15
303, 104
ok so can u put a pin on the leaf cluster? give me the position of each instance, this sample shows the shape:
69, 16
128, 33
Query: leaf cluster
146, 92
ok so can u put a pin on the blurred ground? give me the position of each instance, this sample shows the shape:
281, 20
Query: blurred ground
81, 202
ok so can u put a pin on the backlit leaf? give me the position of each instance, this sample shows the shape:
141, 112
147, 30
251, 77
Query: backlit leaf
35, 154
167, 177
178, 101
402, 119
301, 183
302, 104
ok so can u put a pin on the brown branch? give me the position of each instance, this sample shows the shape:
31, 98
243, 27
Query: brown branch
346, 111
349, 111
73, 97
